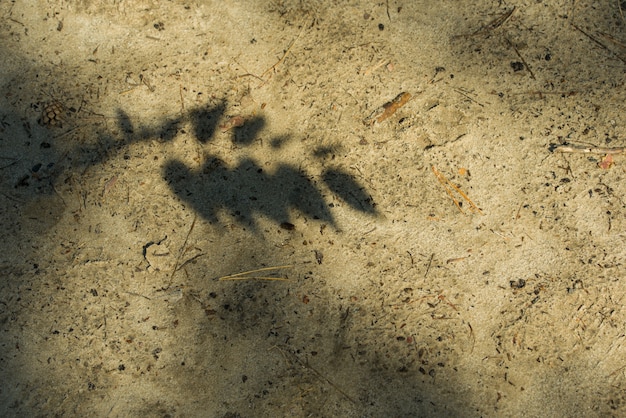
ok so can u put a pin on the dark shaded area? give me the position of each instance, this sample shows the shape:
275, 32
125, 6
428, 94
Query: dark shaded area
32, 206
268, 316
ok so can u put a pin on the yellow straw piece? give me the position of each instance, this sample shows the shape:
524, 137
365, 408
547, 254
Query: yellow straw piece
447, 184
246, 274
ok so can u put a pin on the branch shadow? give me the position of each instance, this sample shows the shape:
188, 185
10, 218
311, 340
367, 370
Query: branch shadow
246, 190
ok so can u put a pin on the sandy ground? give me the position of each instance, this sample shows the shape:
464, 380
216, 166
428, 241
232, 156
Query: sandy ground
149, 149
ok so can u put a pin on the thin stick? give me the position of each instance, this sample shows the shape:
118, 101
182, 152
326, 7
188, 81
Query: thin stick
248, 73
532, 75
15, 161
600, 44
444, 182
190, 260
542, 93
612, 39
319, 375
587, 150
375, 67
121, 93
494, 24
244, 275
430, 262
472, 204
273, 67
472, 337
447, 184
182, 250
276, 279
11, 198
251, 75
462, 93
182, 101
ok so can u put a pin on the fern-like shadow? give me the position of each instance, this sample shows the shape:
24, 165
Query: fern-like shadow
246, 190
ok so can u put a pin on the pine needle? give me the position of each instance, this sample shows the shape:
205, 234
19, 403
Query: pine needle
249, 275
448, 185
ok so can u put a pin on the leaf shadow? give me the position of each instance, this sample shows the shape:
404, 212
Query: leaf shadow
205, 121
245, 190
348, 189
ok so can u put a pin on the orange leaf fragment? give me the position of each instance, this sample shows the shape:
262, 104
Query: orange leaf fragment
606, 162
233, 122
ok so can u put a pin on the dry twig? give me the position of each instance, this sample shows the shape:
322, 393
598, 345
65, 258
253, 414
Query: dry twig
491, 26
600, 44
248, 275
449, 186
586, 150
388, 109
282, 59
307, 366
496, 23
182, 251
532, 75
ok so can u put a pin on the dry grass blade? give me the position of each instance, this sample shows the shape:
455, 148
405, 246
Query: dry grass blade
305, 365
182, 250
449, 186
597, 42
496, 23
249, 275
282, 59
532, 75
586, 150
491, 26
